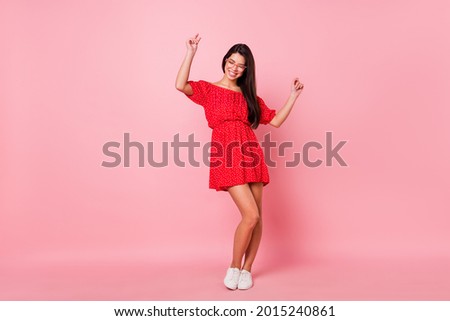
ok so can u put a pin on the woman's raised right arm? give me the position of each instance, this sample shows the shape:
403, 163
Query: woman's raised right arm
183, 74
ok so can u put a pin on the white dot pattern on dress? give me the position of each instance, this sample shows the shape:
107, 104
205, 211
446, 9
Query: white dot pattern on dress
235, 155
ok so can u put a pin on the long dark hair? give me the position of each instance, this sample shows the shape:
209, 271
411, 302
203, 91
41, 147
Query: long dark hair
247, 82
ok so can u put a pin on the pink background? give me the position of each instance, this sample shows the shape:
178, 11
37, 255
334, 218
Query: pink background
77, 74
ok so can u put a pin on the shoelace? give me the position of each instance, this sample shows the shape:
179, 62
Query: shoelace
234, 275
245, 276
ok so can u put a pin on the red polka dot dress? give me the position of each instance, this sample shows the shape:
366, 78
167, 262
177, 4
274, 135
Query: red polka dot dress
235, 155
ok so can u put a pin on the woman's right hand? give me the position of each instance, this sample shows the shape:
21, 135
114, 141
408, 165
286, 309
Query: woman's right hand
182, 83
192, 43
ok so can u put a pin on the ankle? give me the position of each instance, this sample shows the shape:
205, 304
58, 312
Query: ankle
248, 269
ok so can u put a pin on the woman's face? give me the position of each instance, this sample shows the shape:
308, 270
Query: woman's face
235, 66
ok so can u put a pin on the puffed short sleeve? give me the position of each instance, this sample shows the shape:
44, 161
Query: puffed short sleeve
267, 114
200, 92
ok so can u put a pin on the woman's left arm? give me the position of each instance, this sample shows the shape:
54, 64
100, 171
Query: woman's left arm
283, 113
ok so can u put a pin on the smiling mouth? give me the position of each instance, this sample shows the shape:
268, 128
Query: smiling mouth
232, 73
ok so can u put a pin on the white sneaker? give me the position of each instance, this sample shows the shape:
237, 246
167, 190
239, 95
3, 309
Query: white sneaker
245, 280
232, 278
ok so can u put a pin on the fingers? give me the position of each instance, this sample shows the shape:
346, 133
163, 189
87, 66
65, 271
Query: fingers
297, 84
194, 40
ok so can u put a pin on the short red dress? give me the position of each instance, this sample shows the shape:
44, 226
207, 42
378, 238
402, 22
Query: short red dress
235, 155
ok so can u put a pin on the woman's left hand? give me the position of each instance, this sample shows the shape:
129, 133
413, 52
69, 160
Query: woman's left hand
296, 87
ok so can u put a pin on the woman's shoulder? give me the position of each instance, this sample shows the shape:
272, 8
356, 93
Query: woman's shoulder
200, 86
200, 82
208, 86
203, 84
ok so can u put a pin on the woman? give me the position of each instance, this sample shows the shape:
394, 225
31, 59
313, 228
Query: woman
237, 165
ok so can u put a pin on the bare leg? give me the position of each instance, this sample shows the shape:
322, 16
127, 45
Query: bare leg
243, 197
250, 254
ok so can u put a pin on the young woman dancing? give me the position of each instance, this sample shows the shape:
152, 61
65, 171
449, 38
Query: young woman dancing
237, 164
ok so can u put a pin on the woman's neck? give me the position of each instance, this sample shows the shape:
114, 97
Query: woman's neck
228, 83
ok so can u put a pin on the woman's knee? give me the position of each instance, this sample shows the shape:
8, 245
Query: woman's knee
251, 218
